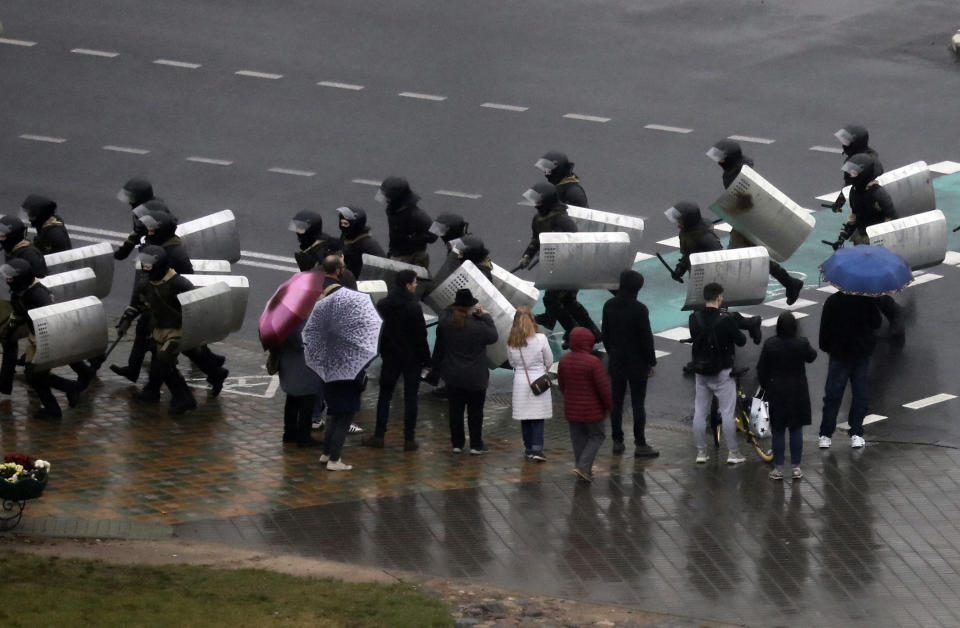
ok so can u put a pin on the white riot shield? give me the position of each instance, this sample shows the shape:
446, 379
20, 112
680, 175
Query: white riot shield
593, 220
239, 293
207, 315
764, 214
582, 261
212, 237
450, 263
69, 332
516, 291
376, 288
469, 276
210, 266
743, 273
384, 269
920, 239
910, 188
98, 257
73, 284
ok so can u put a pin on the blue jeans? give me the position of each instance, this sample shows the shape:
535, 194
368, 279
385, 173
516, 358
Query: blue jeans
779, 445
532, 430
838, 372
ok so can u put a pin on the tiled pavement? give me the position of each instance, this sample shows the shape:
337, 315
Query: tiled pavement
866, 538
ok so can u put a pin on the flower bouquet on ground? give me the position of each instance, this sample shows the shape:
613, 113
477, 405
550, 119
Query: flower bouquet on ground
22, 478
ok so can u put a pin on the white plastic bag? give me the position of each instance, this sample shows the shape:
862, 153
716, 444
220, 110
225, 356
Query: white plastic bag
760, 415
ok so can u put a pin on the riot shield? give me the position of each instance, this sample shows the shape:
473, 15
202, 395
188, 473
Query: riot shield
581, 261
99, 257
593, 220
920, 239
764, 214
450, 263
516, 291
384, 269
376, 288
469, 276
239, 293
910, 188
73, 284
743, 273
210, 266
69, 332
207, 315
212, 237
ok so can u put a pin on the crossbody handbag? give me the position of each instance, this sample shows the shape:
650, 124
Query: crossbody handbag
539, 385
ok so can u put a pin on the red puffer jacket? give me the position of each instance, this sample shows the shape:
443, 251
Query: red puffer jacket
583, 382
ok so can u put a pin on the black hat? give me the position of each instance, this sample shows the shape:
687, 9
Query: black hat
464, 298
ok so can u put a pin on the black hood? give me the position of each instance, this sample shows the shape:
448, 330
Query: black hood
690, 217
163, 224
15, 231
630, 283
157, 257
138, 191
19, 274
311, 222
868, 172
733, 160
449, 227
398, 193
357, 219
859, 142
563, 168
474, 249
549, 199
39, 209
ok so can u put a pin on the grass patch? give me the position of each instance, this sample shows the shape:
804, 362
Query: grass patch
42, 591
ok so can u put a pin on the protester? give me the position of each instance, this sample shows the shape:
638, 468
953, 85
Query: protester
301, 384
715, 338
847, 334
587, 400
409, 225
628, 339
404, 353
782, 374
463, 333
343, 401
356, 238
530, 357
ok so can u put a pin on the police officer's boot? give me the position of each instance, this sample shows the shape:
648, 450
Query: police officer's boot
792, 285
141, 343
182, 397
158, 374
64, 385
41, 386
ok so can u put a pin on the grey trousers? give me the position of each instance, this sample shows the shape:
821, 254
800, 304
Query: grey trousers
725, 389
586, 439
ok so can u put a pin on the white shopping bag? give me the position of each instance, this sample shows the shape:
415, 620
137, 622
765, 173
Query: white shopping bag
760, 415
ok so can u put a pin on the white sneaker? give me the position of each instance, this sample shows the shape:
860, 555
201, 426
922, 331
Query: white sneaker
354, 429
735, 457
457, 450
857, 442
336, 465
702, 456
318, 422
324, 458
824, 442
477, 452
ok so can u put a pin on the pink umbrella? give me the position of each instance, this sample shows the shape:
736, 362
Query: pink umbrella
289, 306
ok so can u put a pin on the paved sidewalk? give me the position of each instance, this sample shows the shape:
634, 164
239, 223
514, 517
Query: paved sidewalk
866, 538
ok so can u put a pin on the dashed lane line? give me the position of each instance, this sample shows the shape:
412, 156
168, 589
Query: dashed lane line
287, 269
99, 232
421, 96
95, 53
208, 160
261, 75
290, 171
268, 256
827, 149
585, 117
752, 140
126, 149
338, 85
667, 128
86, 238
924, 278
43, 138
952, 258
867, 420
672, 242
929, 401
366, 182
17, 42
456, 194
177, 64
502, 107
657, 353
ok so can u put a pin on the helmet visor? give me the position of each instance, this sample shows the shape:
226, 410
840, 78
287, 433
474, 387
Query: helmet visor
457, 246
5, 229
124, 196
673, 215
844, 136
9, 271
140, 211
346, 212
149, 221
439, 229
145, 259
380, 197
546, 165
716, 154
851, 168
533, 196
24, 215
299, 226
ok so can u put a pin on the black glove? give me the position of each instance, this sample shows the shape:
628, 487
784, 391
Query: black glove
125, 319
837, 206
838, 244
677, 275
523, 262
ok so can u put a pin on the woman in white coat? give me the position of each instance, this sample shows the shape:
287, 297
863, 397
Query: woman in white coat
530, 356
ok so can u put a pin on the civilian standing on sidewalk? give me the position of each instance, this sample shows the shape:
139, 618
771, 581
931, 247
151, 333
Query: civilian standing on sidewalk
626, 334
782, 373
586, 392
343, 401
463, 333
300, 383
530, 356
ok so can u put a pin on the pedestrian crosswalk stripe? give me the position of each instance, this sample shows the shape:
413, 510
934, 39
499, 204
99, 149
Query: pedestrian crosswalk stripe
929, 401
674, 242
867, 420
924, 278
676, 333
782, 304
945, 167
772, 321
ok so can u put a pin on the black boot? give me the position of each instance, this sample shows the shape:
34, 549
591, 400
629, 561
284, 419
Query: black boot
41, 385
85, 374
64, 385
182, 397
159, 370
216, 380
791, 284
141, 344
752, 325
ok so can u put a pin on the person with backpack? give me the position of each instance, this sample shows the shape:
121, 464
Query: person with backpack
715, 338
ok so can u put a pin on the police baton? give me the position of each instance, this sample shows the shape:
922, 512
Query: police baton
667, 266
955, 229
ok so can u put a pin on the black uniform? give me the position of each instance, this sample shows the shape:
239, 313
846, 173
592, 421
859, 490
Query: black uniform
52, 236
315, 245
562, 176
137, 192
356, 239
409, 226
16, 246
696, 236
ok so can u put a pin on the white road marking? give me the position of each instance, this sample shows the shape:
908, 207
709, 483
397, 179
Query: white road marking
582, 116
924, 278
208, 160
43, 138
100, 232
420, 96
458, 194
126, 149
945, 167
772, 321
674, 242
829, 197
275, 258
642, 257
929, 401
782, 304
525, 203
657, 353
752, 140
867, 420
296, 173
86, 238
828, 289
177, 64
722, 226
262, 75
495, 105
95, 53
269, 383
17, 42
827, 149
669, 129
367, 182
675, 333
337, 85
288, 269
952, 258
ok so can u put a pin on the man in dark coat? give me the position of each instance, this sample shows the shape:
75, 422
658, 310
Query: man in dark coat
728, 154
356, 238
409, 226
847, 334
551, 217
404, 352
558, 170
52, 234
627, 336
315, 245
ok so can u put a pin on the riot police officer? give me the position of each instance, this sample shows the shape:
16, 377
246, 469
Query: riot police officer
52, 236
13, 239
558, 170
356, 239
136, 192
854, 140
315, 245
409, 226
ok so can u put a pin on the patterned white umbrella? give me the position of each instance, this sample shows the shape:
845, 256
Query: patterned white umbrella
341, 335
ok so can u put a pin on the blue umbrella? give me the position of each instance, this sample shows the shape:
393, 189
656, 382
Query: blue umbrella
867, 270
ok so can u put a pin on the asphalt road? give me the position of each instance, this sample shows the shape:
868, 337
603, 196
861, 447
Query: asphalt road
457, 96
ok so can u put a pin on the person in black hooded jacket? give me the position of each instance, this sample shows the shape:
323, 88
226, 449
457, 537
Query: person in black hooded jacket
13, 239
625, 330
315, 245
409, 226
52, 234
356, 239
558, 170
135, 192
728, 154
854, 140
561, 305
